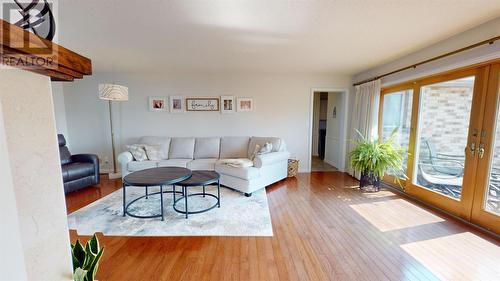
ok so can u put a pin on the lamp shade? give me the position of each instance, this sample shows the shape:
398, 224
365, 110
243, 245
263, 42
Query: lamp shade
113, 92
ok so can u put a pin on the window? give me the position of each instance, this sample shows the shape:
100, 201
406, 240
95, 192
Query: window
396, 116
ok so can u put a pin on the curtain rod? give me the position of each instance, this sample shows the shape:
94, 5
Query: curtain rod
488, 41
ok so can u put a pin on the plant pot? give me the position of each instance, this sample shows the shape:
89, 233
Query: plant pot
369, 182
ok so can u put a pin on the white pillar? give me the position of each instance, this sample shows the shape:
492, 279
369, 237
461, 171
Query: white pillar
12, 266
35, 178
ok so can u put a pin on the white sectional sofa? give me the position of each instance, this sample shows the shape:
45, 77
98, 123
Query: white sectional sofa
209, 154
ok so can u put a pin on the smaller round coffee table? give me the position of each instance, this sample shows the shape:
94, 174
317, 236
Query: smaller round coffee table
198, 178
153, 177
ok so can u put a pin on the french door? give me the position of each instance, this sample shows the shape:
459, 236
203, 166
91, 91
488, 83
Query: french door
486, 203
449, 124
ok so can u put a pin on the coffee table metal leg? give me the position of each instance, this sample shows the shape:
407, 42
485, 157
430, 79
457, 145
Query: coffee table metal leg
173, 187
146, 192
218, 193
161, 202
124, 200
185, 199
203, 191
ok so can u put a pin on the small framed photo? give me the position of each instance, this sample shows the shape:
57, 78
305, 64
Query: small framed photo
157, 103
227, 104
244, 104
176, 104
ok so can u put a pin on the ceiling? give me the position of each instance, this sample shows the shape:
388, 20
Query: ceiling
260, 36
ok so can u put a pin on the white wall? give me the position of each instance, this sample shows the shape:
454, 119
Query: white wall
334, 130
282, 108
29, 125
488, 52
59, 108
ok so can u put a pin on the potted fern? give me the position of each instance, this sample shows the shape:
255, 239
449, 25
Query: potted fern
373, 158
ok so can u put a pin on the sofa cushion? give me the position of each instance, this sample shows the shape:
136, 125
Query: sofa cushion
163, 142
206, 148
174, 163
153, 152
181, 148
77, 170
202, 164
234, 147
275, 142
247, 173
137, 166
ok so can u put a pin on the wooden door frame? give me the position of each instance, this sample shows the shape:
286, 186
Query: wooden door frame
462, 207
391, 90
479, 215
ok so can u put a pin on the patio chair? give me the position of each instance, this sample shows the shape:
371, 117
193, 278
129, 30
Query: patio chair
448, 164
448, 184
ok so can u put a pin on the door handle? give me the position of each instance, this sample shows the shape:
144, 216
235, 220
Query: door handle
472, 148
481, 150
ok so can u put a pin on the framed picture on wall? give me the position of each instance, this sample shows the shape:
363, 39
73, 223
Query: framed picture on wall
157, 103
176, 104
202, 104
244, 104
227, 104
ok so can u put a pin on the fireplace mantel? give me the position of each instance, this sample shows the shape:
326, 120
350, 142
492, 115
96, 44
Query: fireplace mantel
25, 50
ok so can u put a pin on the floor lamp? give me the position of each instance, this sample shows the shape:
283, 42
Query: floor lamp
113, 92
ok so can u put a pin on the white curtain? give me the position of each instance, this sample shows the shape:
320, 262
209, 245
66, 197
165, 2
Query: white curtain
364, 116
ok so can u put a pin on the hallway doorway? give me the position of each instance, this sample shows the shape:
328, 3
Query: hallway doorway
328, 137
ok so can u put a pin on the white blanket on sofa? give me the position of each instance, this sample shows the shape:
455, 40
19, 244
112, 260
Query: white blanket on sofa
238, 163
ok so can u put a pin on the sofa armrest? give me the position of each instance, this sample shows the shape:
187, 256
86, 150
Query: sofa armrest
88, 158
270, 158
124, 158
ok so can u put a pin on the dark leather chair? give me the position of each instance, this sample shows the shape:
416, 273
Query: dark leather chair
79, 170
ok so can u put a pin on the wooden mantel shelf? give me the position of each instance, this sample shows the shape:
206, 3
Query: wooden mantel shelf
22, 49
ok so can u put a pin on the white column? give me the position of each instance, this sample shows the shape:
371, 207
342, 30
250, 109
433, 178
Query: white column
35, 173
12, 266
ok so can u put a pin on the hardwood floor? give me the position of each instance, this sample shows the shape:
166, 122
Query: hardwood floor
324, 229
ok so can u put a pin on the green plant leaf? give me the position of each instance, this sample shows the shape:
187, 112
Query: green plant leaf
92, 270
89, 258
94, 244
78, 255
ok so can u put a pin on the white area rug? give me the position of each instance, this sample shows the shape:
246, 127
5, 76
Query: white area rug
237, 216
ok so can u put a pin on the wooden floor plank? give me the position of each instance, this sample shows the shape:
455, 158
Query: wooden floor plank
324, 229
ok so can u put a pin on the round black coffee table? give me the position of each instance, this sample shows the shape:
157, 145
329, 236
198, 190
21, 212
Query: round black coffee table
153, 177
198, 178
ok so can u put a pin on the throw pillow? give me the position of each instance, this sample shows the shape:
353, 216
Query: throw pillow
255, 151
267, 148
138, 152
153, 152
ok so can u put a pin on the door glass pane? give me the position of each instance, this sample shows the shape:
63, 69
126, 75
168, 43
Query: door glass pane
492, 202
396, 115
442, 135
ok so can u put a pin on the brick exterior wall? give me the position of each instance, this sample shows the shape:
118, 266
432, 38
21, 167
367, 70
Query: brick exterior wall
445, 115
